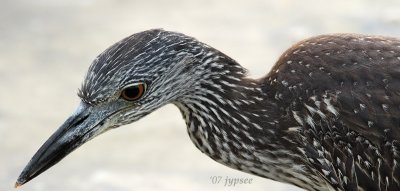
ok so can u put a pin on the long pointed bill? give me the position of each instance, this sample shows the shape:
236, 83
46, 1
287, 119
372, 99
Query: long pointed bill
83, 125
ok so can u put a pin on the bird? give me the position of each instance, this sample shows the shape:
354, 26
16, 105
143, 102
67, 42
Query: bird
325, 117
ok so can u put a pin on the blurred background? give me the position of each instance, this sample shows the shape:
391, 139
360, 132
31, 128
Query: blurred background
46, 47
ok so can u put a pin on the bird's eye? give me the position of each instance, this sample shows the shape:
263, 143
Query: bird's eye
133, 93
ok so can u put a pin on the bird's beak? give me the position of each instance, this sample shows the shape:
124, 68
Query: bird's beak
82, 126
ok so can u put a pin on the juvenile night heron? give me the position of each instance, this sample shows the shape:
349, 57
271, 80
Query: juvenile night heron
326, 117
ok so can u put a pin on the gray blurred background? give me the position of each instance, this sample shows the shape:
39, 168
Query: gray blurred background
46, 47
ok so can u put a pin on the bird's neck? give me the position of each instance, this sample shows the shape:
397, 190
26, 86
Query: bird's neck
235, 121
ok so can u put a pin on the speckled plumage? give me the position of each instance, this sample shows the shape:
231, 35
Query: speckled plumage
324, 118
345, 91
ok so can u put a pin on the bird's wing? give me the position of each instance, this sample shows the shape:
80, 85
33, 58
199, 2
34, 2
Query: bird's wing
344, 91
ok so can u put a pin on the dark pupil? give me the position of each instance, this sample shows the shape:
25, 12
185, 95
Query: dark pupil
132, 92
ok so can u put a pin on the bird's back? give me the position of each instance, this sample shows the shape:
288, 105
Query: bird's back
341, 94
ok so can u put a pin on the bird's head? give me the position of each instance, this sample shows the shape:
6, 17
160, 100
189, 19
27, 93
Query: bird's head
124, 83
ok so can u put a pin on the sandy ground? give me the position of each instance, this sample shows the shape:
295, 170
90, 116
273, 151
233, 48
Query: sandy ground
47, 45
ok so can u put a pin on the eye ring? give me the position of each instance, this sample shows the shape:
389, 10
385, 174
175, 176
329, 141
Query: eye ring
133, 92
